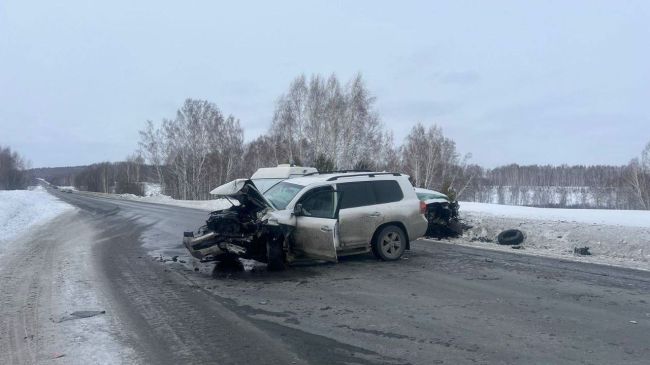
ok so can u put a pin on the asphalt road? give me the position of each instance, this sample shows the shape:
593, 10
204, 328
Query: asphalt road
441, 304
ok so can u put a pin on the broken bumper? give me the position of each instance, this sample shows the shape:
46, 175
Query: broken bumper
210, 244
201, 246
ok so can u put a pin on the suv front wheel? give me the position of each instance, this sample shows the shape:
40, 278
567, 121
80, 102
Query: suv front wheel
390, 243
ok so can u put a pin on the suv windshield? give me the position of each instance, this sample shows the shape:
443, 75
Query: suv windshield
281, 194
265, 184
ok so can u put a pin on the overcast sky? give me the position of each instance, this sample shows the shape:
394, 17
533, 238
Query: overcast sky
511, 82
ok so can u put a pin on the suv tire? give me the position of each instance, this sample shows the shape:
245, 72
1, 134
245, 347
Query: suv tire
275, 255
390, 243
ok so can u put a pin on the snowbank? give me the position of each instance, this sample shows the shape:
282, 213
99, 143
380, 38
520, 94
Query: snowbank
152, 189
21, 209
208, 205
614, 237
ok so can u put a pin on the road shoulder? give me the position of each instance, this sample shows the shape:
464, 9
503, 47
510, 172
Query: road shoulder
48, 284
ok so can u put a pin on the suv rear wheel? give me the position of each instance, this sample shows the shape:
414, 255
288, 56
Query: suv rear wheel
390, 243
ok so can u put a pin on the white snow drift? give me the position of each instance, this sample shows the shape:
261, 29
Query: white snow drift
22, 209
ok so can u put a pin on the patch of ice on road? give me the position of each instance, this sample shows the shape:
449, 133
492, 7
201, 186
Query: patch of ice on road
22, 209
629, 218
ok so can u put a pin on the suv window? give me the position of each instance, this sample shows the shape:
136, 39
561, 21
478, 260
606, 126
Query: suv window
319, 202
356, 194
387, 191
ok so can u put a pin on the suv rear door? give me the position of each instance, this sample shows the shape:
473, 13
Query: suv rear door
364, 206
316, 232
358, 219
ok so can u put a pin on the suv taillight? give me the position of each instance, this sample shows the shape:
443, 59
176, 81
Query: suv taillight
423, 207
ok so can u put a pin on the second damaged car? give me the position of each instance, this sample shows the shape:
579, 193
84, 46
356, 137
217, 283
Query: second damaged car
318, 217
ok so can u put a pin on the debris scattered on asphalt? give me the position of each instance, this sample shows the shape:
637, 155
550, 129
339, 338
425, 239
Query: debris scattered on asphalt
175, 258
634, 322
583, 251
57, 355
264, 302
517, 247
489, 260
79, 315
480, 239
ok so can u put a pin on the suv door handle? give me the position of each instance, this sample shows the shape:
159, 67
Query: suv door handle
325, 228
374, 214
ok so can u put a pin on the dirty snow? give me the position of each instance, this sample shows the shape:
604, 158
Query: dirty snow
48, 274
614, 237
22, 209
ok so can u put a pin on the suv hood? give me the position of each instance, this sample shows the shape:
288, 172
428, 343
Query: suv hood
244, 191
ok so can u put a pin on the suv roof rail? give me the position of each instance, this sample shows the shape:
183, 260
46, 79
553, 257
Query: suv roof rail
334, 172
345, 171
369, 174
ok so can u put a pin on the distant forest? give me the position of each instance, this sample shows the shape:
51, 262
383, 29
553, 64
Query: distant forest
333, 125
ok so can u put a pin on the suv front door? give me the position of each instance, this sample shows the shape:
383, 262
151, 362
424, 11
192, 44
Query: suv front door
316, 232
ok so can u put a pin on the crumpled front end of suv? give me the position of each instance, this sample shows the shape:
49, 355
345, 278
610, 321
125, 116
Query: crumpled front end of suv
247, 229
441, 213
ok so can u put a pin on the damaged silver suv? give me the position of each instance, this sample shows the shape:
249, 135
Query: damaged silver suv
322, 216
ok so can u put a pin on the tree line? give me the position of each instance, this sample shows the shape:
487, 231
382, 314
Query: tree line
333, 125
579, 186
13, 167
318, 122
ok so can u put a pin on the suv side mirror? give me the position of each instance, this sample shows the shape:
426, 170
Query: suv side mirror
297, 210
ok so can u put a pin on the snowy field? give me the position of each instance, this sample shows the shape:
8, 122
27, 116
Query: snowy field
20, 210
614, 237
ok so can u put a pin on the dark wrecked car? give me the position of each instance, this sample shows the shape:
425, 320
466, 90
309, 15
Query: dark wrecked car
441, 213
320, 217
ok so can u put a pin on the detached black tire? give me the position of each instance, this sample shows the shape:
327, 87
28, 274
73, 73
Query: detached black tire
510, 237
275, 255
390, 243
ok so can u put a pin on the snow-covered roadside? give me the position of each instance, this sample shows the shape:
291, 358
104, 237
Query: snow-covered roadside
153, 194
48, 282
207, 205
627, 218
614, 237
22, 209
